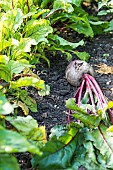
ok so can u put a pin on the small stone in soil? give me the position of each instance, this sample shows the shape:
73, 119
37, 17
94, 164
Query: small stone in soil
63, 92
44, 115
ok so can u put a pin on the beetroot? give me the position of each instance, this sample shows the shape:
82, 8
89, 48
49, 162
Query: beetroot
75, 71
79, 73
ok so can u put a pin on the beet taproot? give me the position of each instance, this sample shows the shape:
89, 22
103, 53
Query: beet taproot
75, 71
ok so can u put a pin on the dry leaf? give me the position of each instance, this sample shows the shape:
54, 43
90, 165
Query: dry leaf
104, 69
111, 90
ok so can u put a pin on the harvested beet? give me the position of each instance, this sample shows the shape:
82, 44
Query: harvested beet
75, 71
89, 95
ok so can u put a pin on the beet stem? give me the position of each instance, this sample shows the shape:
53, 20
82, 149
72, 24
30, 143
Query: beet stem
80, 92
94, 89
91, 96
97, 87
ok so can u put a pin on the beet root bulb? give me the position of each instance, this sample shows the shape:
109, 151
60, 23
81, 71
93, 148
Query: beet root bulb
75, 71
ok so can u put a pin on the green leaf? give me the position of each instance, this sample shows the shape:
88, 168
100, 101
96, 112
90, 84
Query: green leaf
5, 5
85, 154
68, 55
80, 114
94, 149
44, 3
103, 145
62, 4
99, 26
5, 73
105, 12
12, 163
23, 124
13, 142
62, 42
110, 26
38, 29
24, 45
27, 102
4, 59
27, 81
82, 55
4, 44
18, 18
110, 129
46, 59
76, 2
45, 91
5, 106
12, 20
18, 66
57, 153
110, 105
28, 126
81, 25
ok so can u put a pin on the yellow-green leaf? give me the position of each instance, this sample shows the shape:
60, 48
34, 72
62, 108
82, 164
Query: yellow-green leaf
28, 81
23, 107
110, 129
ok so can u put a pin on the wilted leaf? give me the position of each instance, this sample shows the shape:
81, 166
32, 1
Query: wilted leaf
104, 69
28, 101
12, 163
24, 107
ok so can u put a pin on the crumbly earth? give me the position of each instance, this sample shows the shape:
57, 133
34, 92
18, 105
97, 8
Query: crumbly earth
51, 108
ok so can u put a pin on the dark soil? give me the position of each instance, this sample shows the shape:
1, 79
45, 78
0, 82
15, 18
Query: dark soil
51, 108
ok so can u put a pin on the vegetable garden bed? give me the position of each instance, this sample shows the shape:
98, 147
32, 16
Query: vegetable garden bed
38, 39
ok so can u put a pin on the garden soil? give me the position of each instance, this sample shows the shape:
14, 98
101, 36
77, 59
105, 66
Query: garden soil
51, 109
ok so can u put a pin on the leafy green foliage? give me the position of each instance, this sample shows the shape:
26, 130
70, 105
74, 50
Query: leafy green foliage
5, 106
11, 142
94, 153
12, 163
80, 114
28, 31
28, 127
58, 151
91, 149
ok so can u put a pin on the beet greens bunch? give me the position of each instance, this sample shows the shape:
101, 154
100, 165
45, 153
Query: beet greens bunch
89, 95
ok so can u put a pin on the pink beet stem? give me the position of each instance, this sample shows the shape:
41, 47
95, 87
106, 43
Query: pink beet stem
68, 118
95, 91
80, 92
91, 96
97, 87
76, 93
